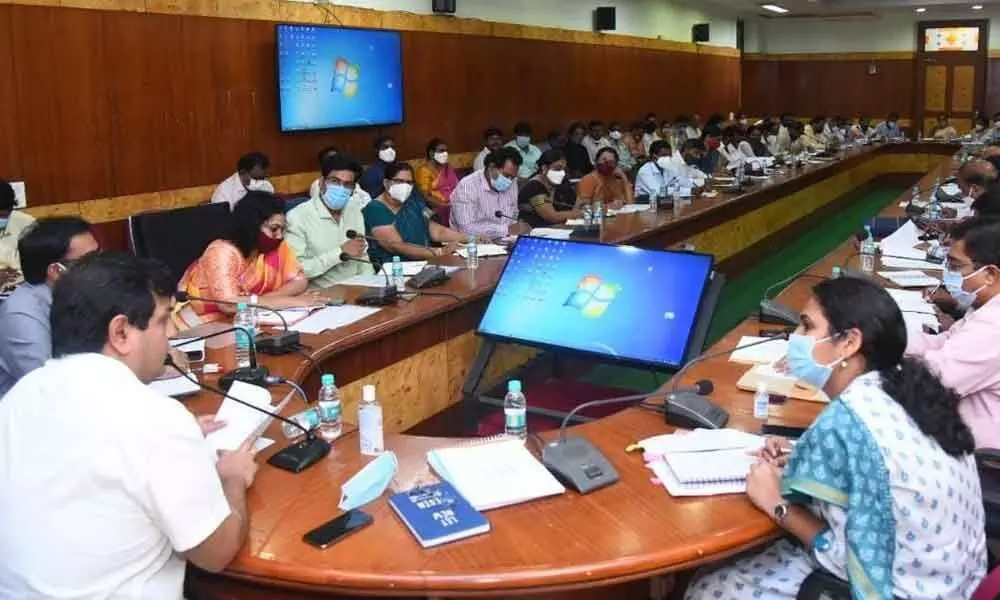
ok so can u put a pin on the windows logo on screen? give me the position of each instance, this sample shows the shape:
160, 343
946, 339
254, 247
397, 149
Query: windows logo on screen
592, 296
345, 77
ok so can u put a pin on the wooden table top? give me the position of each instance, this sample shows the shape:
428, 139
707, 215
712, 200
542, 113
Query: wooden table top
632, 529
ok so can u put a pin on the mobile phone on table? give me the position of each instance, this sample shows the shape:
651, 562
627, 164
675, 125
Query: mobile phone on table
331, 532
783, 430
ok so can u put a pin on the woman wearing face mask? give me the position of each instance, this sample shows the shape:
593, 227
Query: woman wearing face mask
547, 198
882, 489
607, 184
400, 220
436, 180
254, 261
967, 357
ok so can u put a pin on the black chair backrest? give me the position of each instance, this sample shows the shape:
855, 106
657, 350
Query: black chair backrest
179, 236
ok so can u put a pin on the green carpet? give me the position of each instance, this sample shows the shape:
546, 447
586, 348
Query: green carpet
742, 295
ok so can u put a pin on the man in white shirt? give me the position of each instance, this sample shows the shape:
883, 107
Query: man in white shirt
493, 140
12, 225
654, 176
595, 140
250, 175
106, 486
684, 165
359, 197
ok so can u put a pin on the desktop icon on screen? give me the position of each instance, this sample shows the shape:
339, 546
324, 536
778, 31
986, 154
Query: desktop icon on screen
592, 296
345, 77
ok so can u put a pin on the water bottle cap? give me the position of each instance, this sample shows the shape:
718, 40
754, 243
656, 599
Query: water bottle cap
395, 259
514, 386
326, 379
868, 227
836, 271
368, 393
241, 306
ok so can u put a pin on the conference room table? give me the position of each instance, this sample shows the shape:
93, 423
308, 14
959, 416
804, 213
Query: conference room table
629, 531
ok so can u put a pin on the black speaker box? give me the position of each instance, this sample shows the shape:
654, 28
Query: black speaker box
604, 18
700, 33
443, 7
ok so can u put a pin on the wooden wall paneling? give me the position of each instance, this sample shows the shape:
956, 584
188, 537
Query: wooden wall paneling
992, 86
63, 130
10, 155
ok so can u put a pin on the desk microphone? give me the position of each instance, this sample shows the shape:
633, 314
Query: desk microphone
378, 296
578, 463
274, 344
429, 276
295, 458
771, 311
354, 235
254, 374
502, 215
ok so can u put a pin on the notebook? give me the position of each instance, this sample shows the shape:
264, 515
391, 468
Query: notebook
715, 466
494, 474
677, 489
762, 353
703, 462
438, 514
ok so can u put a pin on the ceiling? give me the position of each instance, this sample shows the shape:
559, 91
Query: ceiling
842, 7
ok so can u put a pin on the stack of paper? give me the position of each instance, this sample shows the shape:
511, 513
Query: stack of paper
485, 250
703, 462
243, 422
917, 312
291, 315
333, 317
176, 386
910, 279
763, 353
551, 233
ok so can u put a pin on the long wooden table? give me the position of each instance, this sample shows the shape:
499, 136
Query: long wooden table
628, 531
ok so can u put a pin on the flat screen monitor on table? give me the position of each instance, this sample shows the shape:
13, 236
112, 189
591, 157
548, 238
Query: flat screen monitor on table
332, 77
620, 303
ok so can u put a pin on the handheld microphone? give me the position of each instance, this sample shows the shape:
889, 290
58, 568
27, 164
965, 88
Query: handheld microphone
502, 215
276, 344
295, 458
429, 276
378, 296
354, 235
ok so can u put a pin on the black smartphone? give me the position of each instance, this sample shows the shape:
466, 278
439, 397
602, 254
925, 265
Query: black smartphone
792, 433
331, 532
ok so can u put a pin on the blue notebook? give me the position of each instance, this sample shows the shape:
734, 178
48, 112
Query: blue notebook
438, 514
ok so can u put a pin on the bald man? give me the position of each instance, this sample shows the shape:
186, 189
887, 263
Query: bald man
975, 176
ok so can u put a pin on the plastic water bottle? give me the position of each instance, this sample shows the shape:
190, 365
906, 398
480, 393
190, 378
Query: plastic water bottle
915, 199
836, 274
308, 419
370, 423
330, 426
934, 210
868, 250
588, 216
244, 335
472, 253
599, 213
397, 274
761, 402
515, 411
654, 198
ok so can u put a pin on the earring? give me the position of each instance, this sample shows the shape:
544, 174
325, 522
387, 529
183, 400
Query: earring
843, 364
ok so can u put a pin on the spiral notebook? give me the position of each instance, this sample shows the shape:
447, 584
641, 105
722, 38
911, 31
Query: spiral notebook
704, 473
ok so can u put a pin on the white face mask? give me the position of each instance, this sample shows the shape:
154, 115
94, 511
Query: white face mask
400, 191
663, 162
556, 177
387, 155
441, 158
259, 185
616, 135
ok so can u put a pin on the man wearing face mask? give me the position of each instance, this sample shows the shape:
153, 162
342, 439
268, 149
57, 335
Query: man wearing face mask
46, 249
371, 181
888, 129
595, 140
481, 194
12, 224
250, 176
528, 151
317, 229
360, 196
654, 176
617, 141
685, 165
973, 178
967, 357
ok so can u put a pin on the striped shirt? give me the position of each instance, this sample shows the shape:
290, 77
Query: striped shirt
474, 205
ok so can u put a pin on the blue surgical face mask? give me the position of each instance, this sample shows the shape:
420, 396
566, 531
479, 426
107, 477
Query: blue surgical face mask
4, 223
501, 182
953, 281
801, 363
335, 197
523, 140
368, 483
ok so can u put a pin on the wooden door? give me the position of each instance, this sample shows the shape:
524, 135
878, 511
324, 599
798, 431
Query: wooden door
951, 72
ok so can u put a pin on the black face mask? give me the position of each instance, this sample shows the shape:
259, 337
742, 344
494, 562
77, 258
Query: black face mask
692, 159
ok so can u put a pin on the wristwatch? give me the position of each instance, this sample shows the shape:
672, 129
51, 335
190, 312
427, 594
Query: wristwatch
779, 512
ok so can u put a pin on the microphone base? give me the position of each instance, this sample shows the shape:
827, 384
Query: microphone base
277, 344
379, 297
773, 312
855, 274
300, 456
252, 375
693, 411
428, 277
578, 464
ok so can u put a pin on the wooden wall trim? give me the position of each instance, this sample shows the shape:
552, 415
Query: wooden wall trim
349, 16
867, 56
120, 208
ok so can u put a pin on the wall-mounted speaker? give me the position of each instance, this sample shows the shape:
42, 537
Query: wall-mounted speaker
604, 18
443, 7
700, 33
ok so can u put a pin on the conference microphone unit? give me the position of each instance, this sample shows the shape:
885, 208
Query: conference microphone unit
274, 344
502, 215
295, 458
429, 276
383, 296
254, 374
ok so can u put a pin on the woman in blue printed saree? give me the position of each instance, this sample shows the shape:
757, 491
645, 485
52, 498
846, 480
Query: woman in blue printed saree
882, 489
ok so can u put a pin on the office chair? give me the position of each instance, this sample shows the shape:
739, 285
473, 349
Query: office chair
177, 237
821, 583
